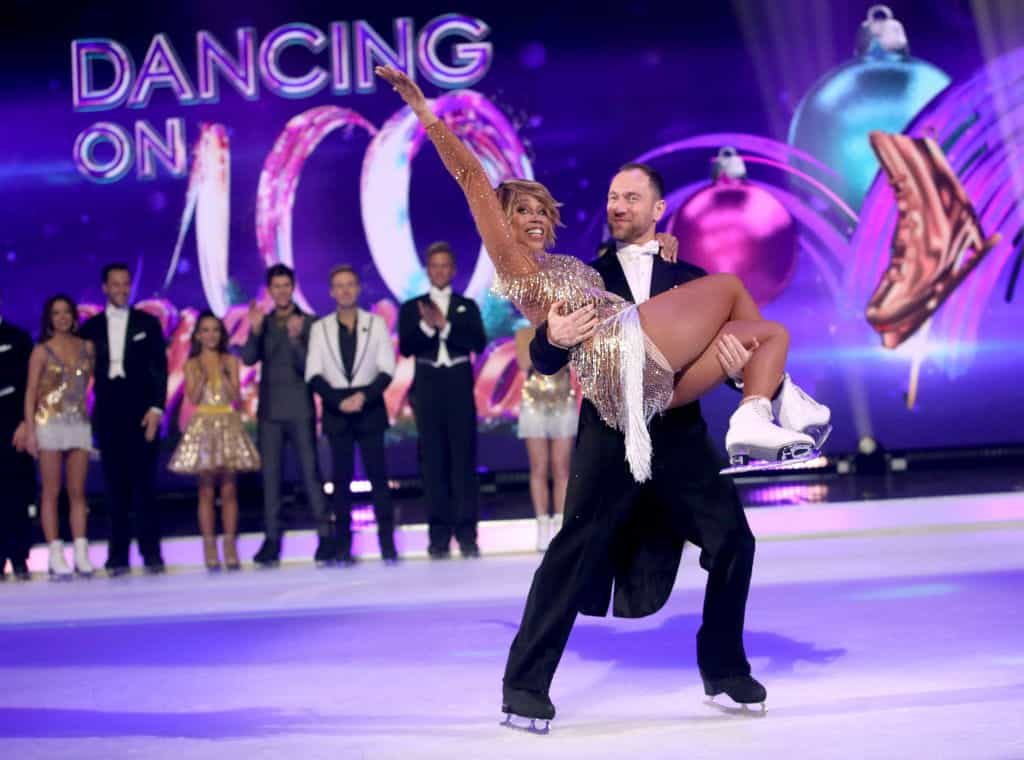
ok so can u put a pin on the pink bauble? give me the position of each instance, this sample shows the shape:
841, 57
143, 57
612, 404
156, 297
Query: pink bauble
735, 226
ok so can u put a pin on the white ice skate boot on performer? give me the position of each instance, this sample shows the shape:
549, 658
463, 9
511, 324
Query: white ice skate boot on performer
58, 565
797, 411
754, 441
83, 566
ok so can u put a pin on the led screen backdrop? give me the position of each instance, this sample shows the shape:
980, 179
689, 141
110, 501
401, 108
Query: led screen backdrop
201, 142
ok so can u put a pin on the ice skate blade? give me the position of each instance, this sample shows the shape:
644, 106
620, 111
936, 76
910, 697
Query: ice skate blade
529, 725
819, 433
755, 710
764, 465
59, 578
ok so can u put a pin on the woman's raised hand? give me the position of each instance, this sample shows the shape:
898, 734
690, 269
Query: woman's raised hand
408, 89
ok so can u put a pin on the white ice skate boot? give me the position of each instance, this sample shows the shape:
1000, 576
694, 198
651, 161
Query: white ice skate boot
83, 566
753, 435
59, 570
543, 533
797, 411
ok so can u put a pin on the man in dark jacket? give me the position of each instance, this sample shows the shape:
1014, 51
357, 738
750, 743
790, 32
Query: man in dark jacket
279, 341
17, 471
441, 329
621, 533
131, 391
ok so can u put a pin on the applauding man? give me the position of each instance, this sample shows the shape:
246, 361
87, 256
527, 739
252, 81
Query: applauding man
279, 340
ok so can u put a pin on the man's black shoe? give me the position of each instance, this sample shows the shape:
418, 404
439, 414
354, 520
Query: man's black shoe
326, 552
21, 571
469, 551
346, 559
156, 567
116, 571
744, 690
269, 554
528, 704
437, 553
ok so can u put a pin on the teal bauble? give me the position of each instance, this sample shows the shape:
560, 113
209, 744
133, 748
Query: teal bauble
883, 87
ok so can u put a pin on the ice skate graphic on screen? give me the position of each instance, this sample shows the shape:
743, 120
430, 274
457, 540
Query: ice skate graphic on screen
938, 240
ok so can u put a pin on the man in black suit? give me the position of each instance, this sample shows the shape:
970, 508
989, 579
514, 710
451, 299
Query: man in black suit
623, 533
131, 391
17, 471
441, 329
279, 341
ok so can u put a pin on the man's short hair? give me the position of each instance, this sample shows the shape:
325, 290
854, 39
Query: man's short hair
115, 267
653, 176
280, 270
341, 269
441, 246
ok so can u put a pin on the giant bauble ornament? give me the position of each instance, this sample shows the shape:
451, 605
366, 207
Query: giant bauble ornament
883, 87
735, 226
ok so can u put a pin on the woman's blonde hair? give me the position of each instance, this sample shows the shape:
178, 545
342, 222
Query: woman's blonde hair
510, 190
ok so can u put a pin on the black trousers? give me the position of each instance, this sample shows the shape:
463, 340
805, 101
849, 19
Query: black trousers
704, 511
129, 475
18, 475
372, 450
446, 423
302, 437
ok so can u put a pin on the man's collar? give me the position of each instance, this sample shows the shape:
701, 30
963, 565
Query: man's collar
119, 310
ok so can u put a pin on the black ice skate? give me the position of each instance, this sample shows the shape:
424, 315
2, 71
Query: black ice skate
743, 690
526, 710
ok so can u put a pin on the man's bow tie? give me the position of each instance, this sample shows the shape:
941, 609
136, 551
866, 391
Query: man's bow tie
650, 248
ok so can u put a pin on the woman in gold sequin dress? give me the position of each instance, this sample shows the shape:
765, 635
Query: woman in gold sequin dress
641, 360
57, 427
214, 445
548, 418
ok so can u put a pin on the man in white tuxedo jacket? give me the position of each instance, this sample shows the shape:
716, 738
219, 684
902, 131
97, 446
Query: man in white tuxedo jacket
350, 362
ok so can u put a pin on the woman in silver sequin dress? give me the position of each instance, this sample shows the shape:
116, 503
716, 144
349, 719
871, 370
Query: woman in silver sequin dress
57, 427
548, 418
214, 445
641, 360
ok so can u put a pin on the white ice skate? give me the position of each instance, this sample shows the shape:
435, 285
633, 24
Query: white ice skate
83, 566
797, 411
755, 442
58, 565
543, 533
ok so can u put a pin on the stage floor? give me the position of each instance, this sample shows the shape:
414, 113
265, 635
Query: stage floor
901, 640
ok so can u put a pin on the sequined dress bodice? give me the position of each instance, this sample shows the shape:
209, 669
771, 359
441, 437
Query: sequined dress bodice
63, 388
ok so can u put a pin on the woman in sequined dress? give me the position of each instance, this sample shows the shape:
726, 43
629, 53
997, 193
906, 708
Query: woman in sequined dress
641, 360
548, 417
214, 445
57, 427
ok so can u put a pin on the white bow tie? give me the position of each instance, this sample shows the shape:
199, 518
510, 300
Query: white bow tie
650, 248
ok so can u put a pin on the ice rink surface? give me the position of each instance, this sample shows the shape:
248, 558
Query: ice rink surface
900, 636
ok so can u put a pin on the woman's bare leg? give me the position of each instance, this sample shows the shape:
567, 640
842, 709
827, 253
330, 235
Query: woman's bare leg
561, 456
207, 518
537, 451
77, 467
229, 503
50, 463
685, 321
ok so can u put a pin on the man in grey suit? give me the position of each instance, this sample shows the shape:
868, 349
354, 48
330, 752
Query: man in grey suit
279, 340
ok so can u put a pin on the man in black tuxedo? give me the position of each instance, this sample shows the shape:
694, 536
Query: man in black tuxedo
623, 533
17, 471
131, 391
441, 329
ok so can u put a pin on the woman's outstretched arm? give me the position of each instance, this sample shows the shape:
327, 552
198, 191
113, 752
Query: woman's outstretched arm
509, 257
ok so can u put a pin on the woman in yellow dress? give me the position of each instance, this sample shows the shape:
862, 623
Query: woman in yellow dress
640, 360
214, 445
548, 418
